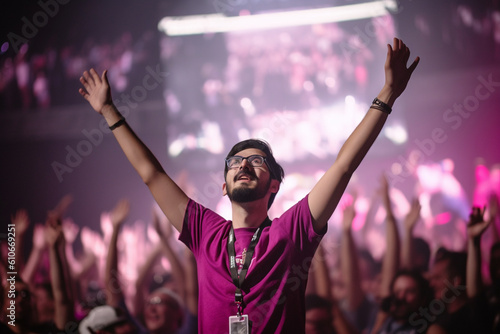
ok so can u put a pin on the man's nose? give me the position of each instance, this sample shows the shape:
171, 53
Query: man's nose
245, 164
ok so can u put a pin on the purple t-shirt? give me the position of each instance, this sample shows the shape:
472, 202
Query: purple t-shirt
274, 287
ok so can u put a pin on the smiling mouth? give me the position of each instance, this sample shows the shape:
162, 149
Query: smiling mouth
244, 177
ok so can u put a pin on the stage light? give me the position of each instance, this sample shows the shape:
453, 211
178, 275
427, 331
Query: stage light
216, 23
396, 133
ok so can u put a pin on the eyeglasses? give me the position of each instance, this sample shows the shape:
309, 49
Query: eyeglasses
254, 160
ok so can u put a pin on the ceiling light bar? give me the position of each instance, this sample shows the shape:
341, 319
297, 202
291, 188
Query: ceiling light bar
214, 23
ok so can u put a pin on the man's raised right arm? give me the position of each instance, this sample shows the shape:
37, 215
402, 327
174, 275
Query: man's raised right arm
169, 196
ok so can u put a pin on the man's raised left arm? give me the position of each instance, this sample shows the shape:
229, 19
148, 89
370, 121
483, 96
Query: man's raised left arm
326, 194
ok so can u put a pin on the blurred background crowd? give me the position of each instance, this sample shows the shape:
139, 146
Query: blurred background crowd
388, 264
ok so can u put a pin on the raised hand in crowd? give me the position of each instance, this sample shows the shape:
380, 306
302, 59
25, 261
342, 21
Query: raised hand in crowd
70, 230
413, 215
163, 232
21, 222
391, 259
349, 259
37, 250
94, 255
115, 295
119, 213
323, 312
408, 251
476, 226
494, 214
59, 269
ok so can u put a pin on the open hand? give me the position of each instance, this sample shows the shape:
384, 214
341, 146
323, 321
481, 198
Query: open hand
97, 91
397, 74
477, 225
413, 215
53, 229
39, 241
120, 213
70, 230
21, 220
348, 214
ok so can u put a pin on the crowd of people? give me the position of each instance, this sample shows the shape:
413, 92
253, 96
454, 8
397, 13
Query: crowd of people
134, 277
35, 80
116, 282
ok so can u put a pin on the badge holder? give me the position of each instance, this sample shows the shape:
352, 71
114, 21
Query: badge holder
238, 324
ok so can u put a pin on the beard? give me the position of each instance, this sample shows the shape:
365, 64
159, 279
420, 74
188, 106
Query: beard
244, 194
400, 310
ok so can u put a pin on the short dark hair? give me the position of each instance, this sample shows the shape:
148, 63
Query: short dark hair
424, 288
456, 264
423, 250
422, 282
277, 172
374, 266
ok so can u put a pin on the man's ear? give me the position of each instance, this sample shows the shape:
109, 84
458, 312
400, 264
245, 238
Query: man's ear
275, 186
224, 189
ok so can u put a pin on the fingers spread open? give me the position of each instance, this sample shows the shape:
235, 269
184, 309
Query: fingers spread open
105, 76
95, 76
88, 81
83, 93
413, 66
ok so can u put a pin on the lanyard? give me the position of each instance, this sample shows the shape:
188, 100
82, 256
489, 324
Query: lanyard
239, 279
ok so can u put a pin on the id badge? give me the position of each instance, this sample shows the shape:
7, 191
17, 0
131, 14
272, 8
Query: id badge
238, 324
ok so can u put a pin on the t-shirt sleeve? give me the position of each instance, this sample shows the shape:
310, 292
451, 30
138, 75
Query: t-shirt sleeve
297, 223
198, 223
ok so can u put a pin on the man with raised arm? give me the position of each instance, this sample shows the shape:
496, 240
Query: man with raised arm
253, 272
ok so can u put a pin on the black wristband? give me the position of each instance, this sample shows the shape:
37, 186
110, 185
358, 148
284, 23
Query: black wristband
377, 104
117, 124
